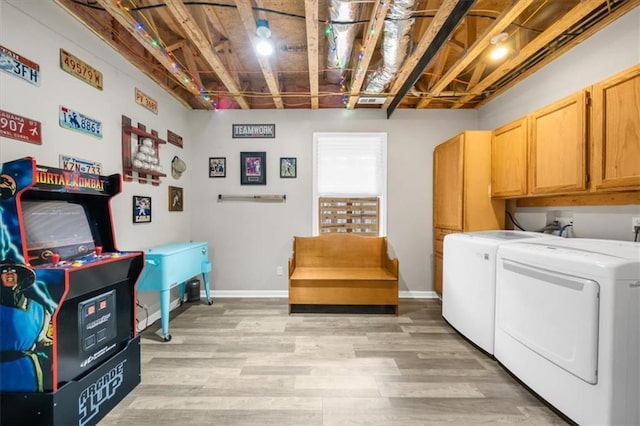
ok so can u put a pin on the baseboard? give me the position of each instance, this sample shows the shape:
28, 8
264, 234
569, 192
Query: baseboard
283, 294
276, 294
418, 295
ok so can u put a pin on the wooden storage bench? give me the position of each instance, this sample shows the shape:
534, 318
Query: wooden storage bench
342, 269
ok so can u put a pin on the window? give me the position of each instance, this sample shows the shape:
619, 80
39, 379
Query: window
350, 182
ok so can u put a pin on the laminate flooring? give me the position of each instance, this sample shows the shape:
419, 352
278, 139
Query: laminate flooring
248, 362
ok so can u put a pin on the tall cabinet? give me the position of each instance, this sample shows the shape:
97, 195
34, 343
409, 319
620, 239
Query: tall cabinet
461, 192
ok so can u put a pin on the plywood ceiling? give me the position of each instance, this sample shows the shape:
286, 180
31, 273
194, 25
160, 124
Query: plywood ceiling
202, 52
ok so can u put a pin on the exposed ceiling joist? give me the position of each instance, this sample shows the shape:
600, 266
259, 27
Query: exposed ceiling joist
185, 20
501, 23
127, 21
246, 15
444, 23
372, 33
581, 10
311, 20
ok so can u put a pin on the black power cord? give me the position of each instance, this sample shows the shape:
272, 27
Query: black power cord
146, 313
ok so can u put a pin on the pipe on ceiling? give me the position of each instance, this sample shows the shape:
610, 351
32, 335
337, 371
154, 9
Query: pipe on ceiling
395, 45
340, 37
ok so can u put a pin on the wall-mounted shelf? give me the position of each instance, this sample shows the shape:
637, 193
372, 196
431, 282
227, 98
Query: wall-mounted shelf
255, 198
129, 171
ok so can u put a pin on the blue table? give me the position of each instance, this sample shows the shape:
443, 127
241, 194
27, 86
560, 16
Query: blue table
170, 265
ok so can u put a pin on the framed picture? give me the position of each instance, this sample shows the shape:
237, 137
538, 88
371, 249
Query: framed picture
141, 209
175, 199
288, 167
217, 167
253, 168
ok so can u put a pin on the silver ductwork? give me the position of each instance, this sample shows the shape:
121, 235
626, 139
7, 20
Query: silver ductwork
395, 45
340, 38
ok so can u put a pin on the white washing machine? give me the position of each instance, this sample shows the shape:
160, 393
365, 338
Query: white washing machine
468, 281
568, 325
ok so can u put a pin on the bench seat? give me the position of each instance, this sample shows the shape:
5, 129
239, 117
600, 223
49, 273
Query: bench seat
342, 269
311, 273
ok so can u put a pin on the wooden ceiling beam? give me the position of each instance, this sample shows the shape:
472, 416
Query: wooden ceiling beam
581, 10
246, 16
447, 18
373, 32
612, 16
480, 45
199, 40
224, 45
130, 24
311, 20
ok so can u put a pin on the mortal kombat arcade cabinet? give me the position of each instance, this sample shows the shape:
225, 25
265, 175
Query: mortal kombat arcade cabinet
68, 345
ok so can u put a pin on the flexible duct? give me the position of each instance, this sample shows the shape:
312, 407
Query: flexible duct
340, 38
395, 45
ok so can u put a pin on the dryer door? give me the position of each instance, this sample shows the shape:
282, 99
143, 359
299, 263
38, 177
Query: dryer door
553, 314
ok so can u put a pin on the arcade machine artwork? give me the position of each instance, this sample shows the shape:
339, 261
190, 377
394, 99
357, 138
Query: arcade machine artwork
68, 345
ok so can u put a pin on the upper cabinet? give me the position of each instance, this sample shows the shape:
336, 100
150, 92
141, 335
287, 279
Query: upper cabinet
544, 153
558, 147
509, 155
615, 152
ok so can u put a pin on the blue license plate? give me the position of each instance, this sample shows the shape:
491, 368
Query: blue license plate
73, 120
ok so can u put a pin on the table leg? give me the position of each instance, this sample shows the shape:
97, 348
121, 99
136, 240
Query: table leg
164, 314
205, 278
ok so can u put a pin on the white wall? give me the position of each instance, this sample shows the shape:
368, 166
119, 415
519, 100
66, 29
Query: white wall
612, 49
37, 29
249, 240
49, 29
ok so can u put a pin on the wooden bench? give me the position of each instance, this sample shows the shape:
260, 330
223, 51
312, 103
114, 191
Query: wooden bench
342, 269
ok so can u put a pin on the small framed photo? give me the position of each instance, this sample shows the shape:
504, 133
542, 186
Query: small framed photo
217, 167
176, 199
253, 168
141, 209
288, 167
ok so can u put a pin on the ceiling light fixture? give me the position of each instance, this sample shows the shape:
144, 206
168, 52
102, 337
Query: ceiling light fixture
263, 46
500, 50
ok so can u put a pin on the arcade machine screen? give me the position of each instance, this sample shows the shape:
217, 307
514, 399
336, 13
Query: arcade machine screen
59, 227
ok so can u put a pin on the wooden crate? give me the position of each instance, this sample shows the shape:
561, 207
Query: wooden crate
349, 214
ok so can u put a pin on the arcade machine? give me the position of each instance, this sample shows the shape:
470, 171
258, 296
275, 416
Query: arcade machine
68, 345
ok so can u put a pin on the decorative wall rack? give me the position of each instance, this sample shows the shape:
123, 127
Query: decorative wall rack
147, 172
256, 198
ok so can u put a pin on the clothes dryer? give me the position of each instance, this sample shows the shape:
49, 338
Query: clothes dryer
468, 290
568, 325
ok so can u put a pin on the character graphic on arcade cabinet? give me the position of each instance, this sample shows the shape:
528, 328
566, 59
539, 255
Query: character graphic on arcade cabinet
25, 335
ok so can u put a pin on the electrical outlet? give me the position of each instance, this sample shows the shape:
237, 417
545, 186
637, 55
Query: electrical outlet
635, 221
279, 270
563, 221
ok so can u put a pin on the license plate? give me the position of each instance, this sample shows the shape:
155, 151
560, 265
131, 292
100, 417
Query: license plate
18, 66
21, 128
80, 69
73, 120
79, 165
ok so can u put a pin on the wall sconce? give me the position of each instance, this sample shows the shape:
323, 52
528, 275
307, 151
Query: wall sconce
264, 46
500, 50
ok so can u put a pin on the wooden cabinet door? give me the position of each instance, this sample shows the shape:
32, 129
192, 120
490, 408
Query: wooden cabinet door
616, 132
447, 184
558, 146
509, 160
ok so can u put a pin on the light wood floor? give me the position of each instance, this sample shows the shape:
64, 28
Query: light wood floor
247, 362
